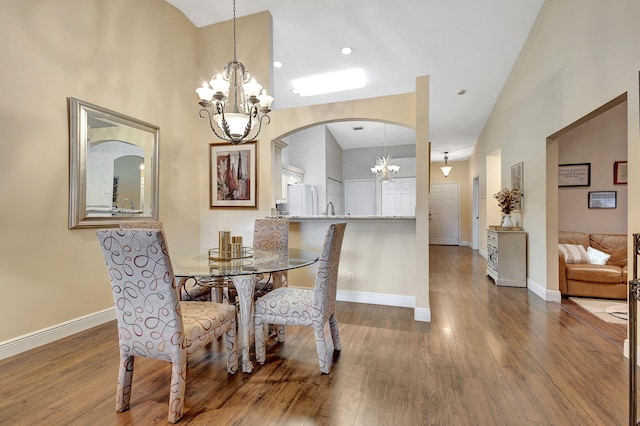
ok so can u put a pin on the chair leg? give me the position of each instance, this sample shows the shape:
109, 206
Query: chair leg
335, 333
321, 348
125, 379
178, 384
231, 342
261, 355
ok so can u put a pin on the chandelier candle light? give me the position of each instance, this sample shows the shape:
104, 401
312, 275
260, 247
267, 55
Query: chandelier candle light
232, 99
384, 169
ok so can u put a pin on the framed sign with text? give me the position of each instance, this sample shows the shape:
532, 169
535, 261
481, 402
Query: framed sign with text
574, 174
620, 173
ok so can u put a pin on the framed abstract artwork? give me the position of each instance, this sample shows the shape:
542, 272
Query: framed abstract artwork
233, 175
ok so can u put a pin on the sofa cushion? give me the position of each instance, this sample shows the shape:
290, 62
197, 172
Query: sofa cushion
613, 244
597, 257
574, 253
605, 274
571, 237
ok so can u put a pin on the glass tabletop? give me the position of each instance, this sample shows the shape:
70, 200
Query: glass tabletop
205, 264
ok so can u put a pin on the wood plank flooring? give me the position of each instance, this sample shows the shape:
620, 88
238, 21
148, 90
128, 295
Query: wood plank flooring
490, 356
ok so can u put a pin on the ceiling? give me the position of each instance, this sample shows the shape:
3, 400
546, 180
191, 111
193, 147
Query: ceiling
468, 45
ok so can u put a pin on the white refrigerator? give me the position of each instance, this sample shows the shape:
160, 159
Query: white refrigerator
302, 200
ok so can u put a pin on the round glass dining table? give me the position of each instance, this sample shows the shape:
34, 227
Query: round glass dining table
241, 268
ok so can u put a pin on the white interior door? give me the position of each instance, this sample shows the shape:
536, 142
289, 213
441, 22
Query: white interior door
444, 214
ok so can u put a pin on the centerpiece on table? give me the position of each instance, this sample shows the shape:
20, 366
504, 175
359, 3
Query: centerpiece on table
507, 200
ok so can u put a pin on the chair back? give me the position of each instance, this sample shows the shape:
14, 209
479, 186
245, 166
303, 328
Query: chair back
271, 234
326, 284
144, 292
144, 224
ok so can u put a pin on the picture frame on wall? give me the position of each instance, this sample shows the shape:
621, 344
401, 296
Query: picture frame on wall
233, 175
620, 173
517, 182
603, 199
574, 175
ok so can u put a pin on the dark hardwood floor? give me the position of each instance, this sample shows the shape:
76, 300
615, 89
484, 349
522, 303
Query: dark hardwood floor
490, 356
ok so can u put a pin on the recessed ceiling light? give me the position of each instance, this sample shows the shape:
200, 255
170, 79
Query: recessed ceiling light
346, 50
277, 64
462, 92
332, 82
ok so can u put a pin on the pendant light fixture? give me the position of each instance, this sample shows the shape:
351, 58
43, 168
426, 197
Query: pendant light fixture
446, 168
233, 102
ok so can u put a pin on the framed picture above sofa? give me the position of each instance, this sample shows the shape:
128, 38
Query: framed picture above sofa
603, 199
620, 173
574, 174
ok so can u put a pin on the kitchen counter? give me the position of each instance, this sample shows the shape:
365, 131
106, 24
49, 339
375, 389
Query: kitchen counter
344, 217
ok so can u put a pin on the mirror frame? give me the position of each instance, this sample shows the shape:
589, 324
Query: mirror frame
78, 112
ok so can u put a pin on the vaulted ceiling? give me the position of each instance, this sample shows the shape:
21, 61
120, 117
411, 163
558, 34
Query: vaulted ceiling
464, 46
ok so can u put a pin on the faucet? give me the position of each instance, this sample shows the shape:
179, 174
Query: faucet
133, 206
333, 212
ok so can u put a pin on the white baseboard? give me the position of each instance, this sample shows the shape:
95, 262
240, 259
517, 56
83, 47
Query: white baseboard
29, 341
543, 293
464, 244
376, 298
420, 314
482, 253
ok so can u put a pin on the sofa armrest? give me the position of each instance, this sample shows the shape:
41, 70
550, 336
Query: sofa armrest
562, 274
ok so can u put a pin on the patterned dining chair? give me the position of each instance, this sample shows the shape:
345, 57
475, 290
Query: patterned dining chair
272, 234
187, 286
287, 306
152, 321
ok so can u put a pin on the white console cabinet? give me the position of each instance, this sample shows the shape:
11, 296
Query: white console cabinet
507, 257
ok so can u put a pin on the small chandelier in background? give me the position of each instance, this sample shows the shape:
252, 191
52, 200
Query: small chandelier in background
384, 170
446, 168
232, 100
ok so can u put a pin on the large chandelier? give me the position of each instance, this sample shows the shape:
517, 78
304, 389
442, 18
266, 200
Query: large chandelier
232, 99
384, 170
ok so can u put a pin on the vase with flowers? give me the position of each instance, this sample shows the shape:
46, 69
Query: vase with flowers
507, 200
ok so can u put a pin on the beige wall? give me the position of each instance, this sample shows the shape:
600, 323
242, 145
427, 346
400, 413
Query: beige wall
577, 58
600, 141
137, 58
132, 57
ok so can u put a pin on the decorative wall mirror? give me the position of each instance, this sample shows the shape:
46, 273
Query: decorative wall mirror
113, 174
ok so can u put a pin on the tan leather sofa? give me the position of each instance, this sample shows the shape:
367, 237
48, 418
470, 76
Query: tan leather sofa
601, 281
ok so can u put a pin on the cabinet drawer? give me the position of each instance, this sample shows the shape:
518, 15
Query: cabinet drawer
492, 237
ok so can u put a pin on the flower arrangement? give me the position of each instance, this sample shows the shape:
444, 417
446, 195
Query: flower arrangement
507, 199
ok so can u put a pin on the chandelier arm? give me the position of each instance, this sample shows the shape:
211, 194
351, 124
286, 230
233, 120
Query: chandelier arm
213, 128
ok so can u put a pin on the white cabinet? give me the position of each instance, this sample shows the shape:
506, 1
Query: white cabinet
507, 257
399, 197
